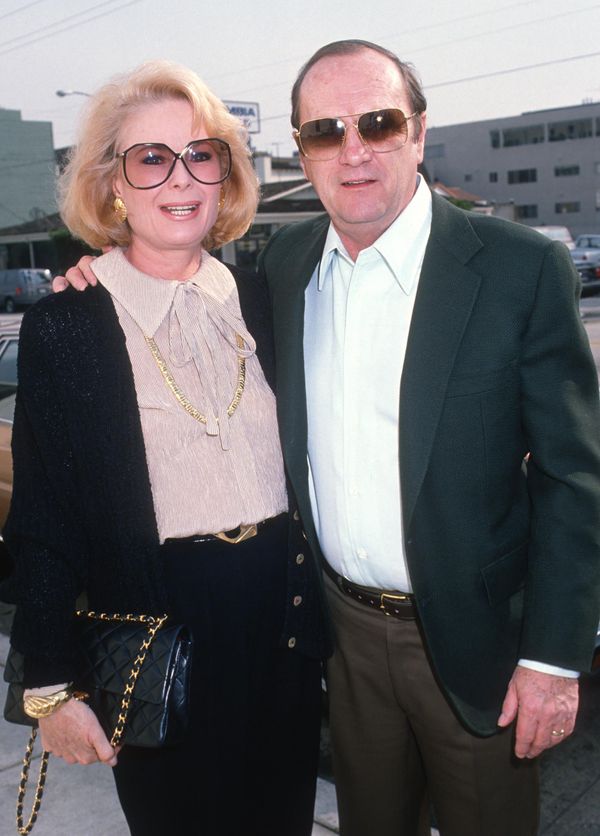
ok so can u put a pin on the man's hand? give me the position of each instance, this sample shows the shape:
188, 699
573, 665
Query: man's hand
542, 704
78, 277
73, 733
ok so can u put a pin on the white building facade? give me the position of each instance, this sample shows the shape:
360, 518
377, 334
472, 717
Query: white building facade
546, 162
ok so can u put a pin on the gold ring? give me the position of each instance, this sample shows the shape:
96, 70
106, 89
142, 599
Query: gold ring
558, 733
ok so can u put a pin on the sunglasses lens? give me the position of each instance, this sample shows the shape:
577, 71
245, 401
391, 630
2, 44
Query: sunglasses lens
208, 160
148, 165
322, 139
384, 130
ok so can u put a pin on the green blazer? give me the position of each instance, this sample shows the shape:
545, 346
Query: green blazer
504, 557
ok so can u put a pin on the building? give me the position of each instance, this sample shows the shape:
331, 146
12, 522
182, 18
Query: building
546, 163
27, 171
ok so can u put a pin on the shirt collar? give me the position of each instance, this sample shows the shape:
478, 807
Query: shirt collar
401, 246
145, 298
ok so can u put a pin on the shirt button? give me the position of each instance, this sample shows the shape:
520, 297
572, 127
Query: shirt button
299, 559
292, 642
353, 490
297, 600
362, 553
296, 515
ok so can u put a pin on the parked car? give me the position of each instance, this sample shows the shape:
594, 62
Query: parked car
587, 247
9, 344
23, 286
557, 233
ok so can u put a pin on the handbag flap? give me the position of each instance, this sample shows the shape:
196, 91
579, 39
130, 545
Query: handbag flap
108, 649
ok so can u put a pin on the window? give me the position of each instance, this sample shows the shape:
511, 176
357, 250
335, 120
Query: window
566, 170
523, 175
528, 211
495, 139
597, 168
468, 178
567, 207
493, 176
529, 135
575, 129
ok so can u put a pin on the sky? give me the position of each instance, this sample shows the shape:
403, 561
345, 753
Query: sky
476, 60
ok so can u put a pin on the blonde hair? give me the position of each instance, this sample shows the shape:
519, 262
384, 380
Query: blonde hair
86, 186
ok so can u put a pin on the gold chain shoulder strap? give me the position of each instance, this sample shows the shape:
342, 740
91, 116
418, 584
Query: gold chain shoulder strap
154, 623
23, 829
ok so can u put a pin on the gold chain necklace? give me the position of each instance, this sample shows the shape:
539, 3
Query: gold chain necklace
176, 390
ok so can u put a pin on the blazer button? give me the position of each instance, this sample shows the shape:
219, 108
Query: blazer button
296, 516
292, 642
299, 559
297, 600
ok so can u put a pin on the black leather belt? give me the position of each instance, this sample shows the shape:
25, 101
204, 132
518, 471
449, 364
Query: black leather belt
397, 604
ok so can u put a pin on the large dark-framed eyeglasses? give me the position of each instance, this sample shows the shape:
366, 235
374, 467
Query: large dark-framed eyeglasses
380, 130
147, 165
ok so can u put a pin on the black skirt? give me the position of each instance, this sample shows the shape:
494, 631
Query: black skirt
248, 766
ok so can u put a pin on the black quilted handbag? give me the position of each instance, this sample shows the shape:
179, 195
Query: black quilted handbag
135, 671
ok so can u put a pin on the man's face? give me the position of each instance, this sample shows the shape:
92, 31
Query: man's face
362, 191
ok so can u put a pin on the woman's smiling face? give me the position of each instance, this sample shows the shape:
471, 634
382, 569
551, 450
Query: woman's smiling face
177, 215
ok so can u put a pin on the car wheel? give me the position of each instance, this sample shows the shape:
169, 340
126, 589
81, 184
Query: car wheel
9, 305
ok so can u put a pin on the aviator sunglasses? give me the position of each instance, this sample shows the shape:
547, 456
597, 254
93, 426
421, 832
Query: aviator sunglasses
380, 130
147, 165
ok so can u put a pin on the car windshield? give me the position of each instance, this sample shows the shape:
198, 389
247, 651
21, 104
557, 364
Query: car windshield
587, 242
38, 277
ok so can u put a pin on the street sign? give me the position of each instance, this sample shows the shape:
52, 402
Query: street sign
248, 112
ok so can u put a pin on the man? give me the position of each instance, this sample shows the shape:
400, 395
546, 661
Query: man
422, 354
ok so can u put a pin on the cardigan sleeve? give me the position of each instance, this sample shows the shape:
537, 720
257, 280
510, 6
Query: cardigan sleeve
43, 532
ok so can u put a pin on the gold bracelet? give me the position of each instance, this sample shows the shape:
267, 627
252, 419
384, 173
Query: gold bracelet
38, 707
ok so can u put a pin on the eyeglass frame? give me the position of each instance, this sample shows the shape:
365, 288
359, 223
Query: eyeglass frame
123, 156
298, 140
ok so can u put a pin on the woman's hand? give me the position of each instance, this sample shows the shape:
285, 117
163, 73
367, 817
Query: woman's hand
73, 733
78, 277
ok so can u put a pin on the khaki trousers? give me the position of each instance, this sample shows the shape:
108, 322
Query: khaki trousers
398, 747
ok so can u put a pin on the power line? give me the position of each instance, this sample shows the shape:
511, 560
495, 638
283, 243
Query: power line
425, 27
53, 25
22, 8
506, 71
512, 70
66, 28
512, 26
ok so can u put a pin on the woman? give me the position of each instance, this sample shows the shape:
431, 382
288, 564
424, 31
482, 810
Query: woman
148, 472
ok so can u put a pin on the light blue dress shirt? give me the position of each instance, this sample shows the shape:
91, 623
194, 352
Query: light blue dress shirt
357, 320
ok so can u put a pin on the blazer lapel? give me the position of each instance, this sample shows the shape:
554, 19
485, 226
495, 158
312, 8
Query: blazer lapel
445, 298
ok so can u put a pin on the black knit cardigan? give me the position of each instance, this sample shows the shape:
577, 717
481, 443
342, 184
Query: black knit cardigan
82, 517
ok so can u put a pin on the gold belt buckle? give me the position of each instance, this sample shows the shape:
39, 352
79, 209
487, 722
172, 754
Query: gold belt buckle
401, 597
246, 532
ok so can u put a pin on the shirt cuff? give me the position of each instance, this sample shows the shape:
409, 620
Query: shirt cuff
542, 667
